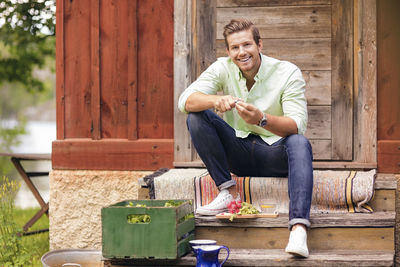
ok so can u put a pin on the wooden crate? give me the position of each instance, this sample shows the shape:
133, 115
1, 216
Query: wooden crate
166, 236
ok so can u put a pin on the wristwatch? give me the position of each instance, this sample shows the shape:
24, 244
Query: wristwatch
263, 121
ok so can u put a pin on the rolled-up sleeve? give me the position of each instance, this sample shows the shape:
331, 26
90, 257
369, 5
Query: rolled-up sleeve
207, 83
294, 103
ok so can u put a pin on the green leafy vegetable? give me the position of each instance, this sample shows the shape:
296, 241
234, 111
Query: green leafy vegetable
138, 218
173, 203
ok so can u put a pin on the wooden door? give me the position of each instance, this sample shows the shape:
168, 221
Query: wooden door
114, 85
315, 35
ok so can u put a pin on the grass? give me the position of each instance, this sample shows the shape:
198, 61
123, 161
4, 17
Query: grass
38, 244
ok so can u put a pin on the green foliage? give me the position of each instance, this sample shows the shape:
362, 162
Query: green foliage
11, 251
8, 138
27, 30
27, 48
15, 250
37, 244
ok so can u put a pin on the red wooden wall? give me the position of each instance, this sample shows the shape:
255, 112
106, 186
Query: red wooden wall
114, 85
388, 86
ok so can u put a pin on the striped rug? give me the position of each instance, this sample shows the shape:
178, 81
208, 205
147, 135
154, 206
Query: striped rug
333, 191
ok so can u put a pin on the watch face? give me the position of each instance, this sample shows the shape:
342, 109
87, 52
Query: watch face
263, 122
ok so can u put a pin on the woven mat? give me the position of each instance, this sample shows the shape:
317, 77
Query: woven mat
333, 191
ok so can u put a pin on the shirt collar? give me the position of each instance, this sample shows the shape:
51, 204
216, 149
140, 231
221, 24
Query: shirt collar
262, 71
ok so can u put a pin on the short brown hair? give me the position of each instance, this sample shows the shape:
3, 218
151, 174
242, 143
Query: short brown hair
237, 25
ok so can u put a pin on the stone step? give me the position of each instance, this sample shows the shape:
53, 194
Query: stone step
374, 231
277, 257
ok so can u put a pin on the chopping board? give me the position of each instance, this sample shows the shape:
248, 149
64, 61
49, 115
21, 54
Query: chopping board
227, 215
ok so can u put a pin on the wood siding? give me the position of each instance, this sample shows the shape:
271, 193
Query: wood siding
388, 86
114, 84
321, 37
318, 39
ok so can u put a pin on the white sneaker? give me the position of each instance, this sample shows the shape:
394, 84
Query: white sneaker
297, 245
218, 205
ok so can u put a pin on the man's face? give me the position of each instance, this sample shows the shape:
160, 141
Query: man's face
244, 52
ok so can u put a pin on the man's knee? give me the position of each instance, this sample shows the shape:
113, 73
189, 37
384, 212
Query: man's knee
298, 141
194, 119
197, 119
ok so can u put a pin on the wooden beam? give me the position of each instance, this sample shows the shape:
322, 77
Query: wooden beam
318, 238
182, 75
132, 70
366, 88
276, 257
376, 219
342, 80
60, 70
259, 3
112, 154
95, 68
205, 35
316, 165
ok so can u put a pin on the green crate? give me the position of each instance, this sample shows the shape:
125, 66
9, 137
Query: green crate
166, 236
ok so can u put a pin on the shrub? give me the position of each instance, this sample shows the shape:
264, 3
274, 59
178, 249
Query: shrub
12, 252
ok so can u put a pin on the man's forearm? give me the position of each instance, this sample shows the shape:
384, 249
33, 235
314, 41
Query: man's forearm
199, 101
281, 126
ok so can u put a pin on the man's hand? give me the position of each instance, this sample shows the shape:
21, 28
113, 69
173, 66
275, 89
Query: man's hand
279, 125
199, 101
249, 113
225, 103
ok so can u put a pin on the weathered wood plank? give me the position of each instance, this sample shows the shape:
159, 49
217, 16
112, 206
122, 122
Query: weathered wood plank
343, 165
319, 122
77, 69
155, 74
317, 165
182, 76
376, 219
60, 69
342, 80
318, 238
112, 154
307, 54
385, 181
281, 22
204, 35
132, 71
365, 138
321, 149
277, 257
243, 3
318, 87
95, 68
384, 200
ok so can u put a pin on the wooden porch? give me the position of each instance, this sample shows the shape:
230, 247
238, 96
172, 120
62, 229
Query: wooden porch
119, 77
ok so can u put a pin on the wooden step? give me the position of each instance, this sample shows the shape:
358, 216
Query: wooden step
385, 193
360, 231
277, 257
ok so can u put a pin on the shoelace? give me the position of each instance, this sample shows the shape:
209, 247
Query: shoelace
221, 199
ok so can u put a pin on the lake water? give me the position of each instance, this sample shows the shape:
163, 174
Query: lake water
40, 135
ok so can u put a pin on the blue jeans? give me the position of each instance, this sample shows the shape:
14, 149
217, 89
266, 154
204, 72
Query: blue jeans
222, 153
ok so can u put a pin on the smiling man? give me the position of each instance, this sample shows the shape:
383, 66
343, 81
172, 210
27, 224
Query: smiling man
261, 133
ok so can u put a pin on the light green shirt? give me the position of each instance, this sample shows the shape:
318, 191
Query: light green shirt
278, 90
